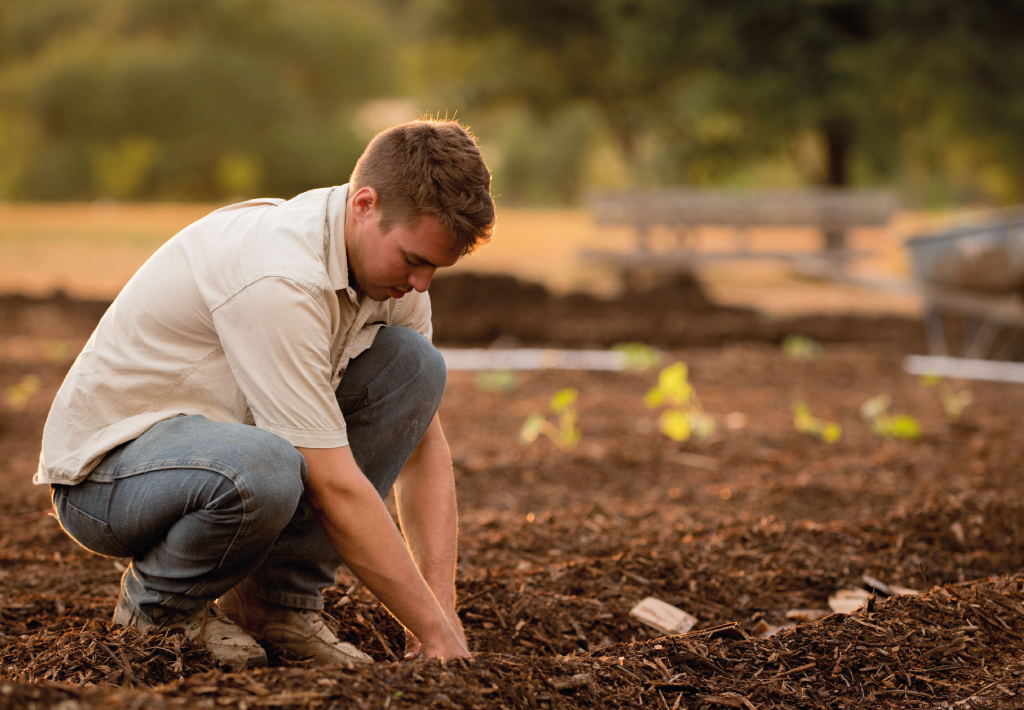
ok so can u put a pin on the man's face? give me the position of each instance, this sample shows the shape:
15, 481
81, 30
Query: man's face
389, 265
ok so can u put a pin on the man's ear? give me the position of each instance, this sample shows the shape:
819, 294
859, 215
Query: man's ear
365, 203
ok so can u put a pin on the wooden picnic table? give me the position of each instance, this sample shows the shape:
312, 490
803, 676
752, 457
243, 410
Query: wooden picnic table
681, 210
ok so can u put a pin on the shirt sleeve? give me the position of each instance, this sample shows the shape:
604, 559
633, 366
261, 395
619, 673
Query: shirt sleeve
414, 312
277, 338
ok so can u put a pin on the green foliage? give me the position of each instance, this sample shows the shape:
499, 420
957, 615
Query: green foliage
121, 171
17, 396
542, 157
215, 99
953, 402
623, 59
886, 425
807, 423
800, 347
684, 416
136, 99
497, 381
695, 90
640, 357
566, 435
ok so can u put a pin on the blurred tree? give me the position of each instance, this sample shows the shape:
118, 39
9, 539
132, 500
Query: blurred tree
223, 98
624, 58
954, 72
542, 158
184, 98
794, 66
707, 85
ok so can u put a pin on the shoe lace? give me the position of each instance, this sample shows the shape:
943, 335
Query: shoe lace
209, 614
318, 627
313, 619
206, 616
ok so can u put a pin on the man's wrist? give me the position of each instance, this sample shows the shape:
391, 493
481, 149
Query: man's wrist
447, 603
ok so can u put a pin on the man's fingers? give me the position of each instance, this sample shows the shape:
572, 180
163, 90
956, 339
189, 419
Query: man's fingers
413, 648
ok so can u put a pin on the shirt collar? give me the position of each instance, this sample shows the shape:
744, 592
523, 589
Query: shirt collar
337, 256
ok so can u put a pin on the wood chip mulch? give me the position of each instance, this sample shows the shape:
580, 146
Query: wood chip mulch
958, 646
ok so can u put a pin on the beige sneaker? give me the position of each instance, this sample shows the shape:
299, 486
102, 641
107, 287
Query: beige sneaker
228, 644
299, 631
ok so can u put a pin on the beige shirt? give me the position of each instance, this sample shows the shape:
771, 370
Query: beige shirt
245, 316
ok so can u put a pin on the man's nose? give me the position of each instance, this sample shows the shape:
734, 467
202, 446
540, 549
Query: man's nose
420, 278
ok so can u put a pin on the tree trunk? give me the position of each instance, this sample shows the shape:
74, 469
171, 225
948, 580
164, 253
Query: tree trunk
838, 139
623, 132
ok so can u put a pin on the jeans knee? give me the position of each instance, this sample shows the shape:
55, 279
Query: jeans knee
420, 359
433, 369
270, 474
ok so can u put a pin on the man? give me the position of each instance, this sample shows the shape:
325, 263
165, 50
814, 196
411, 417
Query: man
250, 397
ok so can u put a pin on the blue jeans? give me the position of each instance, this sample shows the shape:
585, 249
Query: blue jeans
202, 506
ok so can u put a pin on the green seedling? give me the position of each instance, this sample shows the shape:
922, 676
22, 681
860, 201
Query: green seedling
566, 435
640, 357
800, 347
684, 416
952, 401
807, 423
497, 381
886, 425
17, 396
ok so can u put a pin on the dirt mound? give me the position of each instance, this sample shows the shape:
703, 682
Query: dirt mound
475, 310
56, 316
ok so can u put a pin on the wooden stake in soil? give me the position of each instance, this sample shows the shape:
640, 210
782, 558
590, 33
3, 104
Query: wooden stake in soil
663, 616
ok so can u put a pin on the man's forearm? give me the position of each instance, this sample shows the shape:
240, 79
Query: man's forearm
359, 527
425, 493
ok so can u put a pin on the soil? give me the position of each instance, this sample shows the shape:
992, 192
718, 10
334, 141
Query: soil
557, 546
669, 311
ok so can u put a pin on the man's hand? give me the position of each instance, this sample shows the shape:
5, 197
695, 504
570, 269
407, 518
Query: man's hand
360, 528
413, 646
425, 493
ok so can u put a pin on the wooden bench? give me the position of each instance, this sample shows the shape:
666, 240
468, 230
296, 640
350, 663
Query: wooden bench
680, 210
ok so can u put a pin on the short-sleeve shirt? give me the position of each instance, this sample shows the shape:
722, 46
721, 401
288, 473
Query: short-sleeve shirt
245, 316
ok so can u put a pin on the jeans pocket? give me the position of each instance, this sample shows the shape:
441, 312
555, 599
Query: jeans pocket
91, 533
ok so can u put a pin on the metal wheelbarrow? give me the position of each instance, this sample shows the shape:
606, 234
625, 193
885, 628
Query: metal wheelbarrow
976, 273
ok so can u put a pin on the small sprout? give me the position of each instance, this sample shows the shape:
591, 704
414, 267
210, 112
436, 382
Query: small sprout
953, 402
676, 425
889, 426
905, 426
807, 423
566, 435
684, 416
17, 396
640, 357
497, 381
800, 347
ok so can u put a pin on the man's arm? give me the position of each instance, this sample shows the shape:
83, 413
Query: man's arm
425, 493
360, 528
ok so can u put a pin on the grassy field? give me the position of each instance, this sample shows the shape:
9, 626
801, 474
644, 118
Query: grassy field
91, 250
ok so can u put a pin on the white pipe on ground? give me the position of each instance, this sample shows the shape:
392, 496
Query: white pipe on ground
533, 359
964, 368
